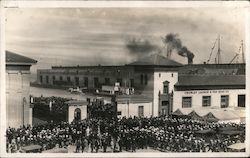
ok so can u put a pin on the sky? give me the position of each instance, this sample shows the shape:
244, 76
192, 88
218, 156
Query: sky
91, 36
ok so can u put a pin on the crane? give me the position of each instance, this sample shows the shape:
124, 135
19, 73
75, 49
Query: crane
212, 49
236, 55
218, 55
241, 49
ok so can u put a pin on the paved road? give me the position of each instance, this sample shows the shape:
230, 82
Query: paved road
71, 149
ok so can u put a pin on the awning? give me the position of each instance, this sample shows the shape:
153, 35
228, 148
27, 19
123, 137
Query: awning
231, 132
208, 131
31, 147
210, 117
56, 150
237, 146
236, 115
195, 116
177, 112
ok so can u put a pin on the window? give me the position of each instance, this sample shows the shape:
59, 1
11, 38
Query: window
132, 84
47, 79
241, 100
172, 75
164, 103
165, 87
146, 79
141, 79
159, 75
140, 111
186, 102
107, 81
119, 80
68, 79
206, 101
61, 78
96, 82
119, 113
77, 81
224, 101
86, 81
53, 79
41, 79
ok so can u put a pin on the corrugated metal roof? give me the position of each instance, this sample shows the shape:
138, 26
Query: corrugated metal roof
212, 80
13, 58
155, 60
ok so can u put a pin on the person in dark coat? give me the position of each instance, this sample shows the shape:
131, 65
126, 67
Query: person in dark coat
78, 144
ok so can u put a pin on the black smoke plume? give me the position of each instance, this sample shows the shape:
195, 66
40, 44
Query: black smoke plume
140, 46
174, 43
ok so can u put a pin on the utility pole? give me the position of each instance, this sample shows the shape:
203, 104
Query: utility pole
242, 48
219, 50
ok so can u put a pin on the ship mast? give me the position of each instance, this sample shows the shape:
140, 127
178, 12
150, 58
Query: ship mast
242, 51
218, 55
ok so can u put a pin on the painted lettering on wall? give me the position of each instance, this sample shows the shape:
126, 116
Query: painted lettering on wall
206, 92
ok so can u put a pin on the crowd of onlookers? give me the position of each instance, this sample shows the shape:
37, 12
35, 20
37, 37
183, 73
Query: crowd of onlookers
50, 108
168, 134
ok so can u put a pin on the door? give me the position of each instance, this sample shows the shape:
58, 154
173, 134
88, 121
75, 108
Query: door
241, 100
77, 114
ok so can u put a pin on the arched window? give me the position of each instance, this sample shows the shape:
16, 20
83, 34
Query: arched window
166, 87
77, 114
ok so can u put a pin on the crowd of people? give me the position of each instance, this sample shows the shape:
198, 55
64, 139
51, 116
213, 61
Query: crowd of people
50, 108
168, 134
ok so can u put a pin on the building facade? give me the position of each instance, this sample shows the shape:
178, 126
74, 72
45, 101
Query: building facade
210, 88
145, 76
77, 110
19, 111
166, 84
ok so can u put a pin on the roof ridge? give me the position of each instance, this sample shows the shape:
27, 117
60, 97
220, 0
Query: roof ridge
12, 57
155, 59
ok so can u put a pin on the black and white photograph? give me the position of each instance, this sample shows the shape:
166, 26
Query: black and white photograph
125, 80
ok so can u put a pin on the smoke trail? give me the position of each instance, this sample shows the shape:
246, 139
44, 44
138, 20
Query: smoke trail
140, 46
174, 43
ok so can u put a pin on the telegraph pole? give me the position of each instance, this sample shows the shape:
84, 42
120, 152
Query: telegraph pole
242, 48
219, 50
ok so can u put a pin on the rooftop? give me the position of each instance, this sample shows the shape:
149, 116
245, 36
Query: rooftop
16, 59
77, 102
211, 80
198, 76
124, 99
213, 69
155, 60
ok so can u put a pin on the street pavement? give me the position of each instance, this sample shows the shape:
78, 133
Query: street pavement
72, 149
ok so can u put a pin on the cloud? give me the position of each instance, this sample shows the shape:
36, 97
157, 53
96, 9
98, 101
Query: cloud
102, 33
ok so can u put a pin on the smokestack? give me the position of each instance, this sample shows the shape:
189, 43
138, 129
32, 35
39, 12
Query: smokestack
174, 43
190, 58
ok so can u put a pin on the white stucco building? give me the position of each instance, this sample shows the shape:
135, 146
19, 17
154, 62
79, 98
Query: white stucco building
18, 109
135, 105
77, 110
215, 88
164, 82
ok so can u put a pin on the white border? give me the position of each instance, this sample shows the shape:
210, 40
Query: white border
121, 4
